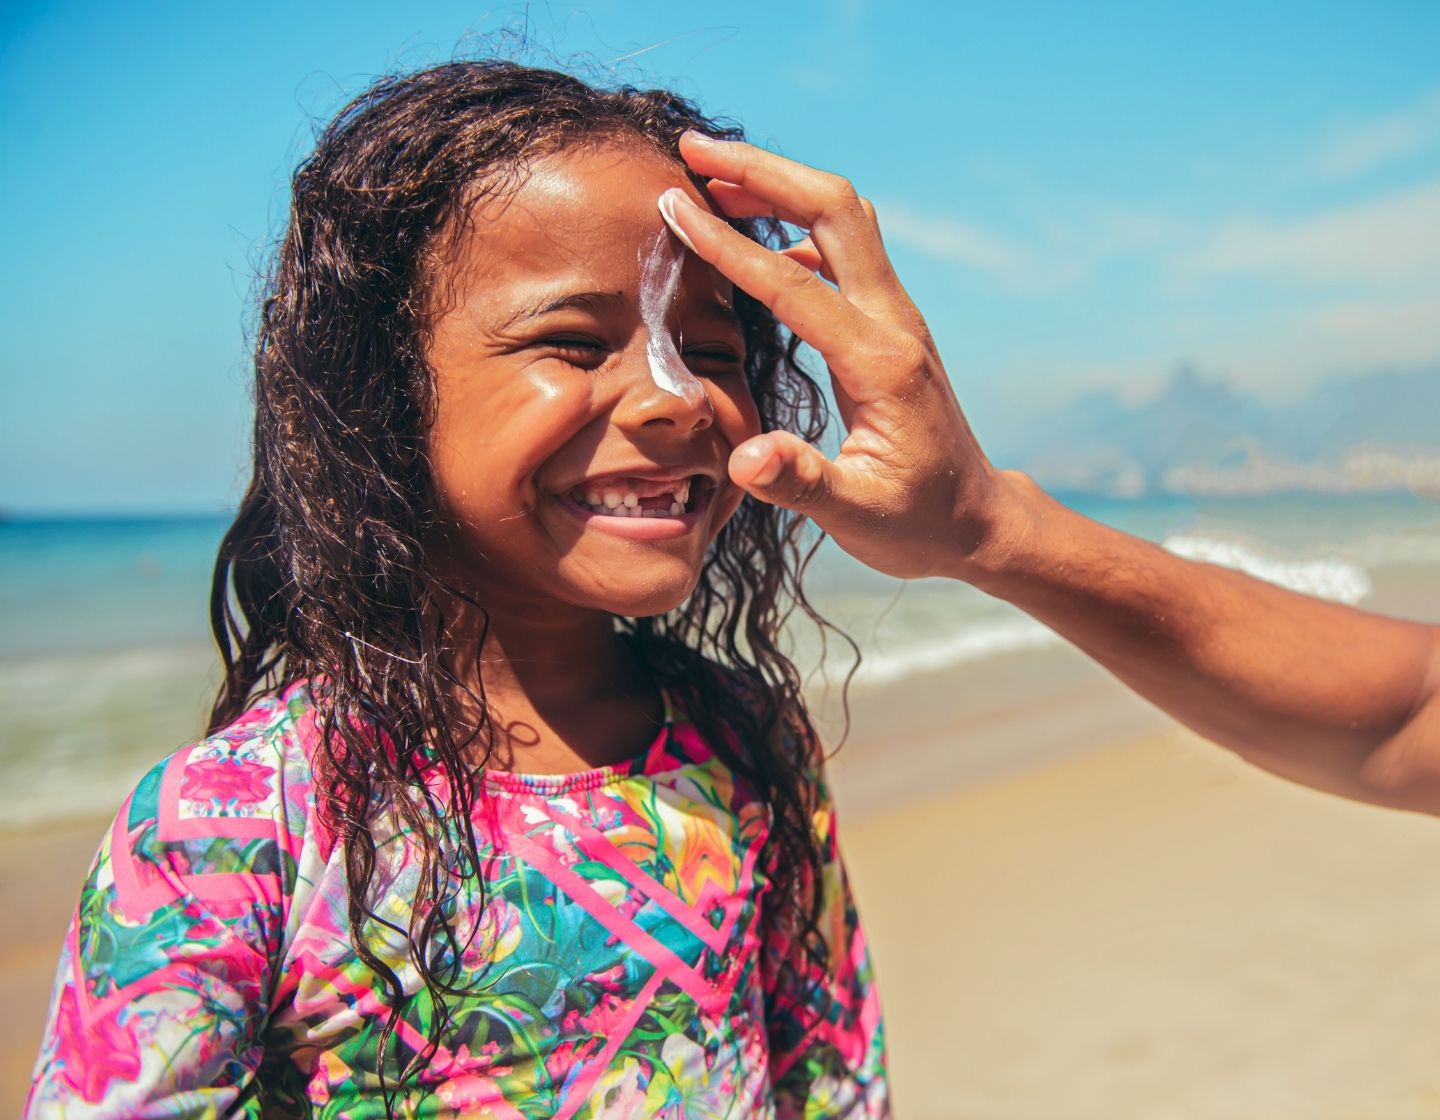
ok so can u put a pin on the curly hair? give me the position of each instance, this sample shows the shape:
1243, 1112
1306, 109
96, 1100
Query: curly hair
323, 575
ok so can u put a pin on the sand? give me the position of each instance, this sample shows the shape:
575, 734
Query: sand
40, 878
1154, 931
1077, 911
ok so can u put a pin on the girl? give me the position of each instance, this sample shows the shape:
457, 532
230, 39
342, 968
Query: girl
510, 805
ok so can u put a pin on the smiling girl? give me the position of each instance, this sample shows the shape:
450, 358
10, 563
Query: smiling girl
510, 805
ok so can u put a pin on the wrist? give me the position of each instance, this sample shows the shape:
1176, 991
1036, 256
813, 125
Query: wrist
994, 537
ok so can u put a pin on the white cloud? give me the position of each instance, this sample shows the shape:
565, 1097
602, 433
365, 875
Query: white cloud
951, 239
1364, 145
1344, 290
1057, 246
1048, 259
1390, 239
1398, 333
1283, 353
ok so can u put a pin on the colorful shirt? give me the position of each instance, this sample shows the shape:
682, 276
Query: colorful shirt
616, 963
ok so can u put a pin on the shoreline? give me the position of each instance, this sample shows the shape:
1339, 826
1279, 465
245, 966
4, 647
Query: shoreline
960, 726
910, 739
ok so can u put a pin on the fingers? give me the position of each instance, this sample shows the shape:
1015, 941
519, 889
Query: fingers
783, 469
737, 202
750, 182
807, 256
811, 308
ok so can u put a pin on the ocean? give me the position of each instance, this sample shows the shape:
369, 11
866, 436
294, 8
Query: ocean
106, 663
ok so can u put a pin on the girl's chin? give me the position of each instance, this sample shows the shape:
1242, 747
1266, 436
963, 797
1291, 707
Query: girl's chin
665, 587
645, 605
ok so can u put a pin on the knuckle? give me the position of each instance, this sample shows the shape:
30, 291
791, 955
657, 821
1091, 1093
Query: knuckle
725, 255
736, 258
790, 284
919, 333
840, 193
792, 276
898, 350
807, 489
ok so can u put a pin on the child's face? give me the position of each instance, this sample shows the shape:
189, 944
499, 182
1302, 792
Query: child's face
545, 399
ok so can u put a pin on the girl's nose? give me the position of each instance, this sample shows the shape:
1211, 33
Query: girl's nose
661, 392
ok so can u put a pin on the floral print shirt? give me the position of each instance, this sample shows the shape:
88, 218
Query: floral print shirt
617, 964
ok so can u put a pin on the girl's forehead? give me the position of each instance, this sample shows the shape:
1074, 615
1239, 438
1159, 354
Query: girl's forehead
584, 215
576, 204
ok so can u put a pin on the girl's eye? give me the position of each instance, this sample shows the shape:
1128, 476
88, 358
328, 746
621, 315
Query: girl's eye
714, 356
587, 352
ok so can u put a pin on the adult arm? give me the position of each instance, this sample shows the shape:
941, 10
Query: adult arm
1327, 695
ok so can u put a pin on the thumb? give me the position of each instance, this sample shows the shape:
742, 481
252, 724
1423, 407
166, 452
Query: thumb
784, 470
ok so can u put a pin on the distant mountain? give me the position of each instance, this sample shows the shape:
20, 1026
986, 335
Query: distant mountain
1202, 435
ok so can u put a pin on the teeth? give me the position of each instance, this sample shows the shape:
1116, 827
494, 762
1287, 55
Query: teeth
616, 504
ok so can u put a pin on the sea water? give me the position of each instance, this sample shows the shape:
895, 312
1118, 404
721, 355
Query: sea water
106, 663
105, 660
1320, 545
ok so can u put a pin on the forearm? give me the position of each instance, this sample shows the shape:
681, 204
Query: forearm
1321, 693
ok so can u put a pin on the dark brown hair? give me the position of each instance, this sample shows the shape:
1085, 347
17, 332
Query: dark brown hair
323, 577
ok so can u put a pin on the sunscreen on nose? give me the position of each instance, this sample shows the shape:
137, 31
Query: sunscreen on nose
659, 281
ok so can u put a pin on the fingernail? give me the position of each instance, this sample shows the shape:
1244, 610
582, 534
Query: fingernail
699, 137
771, 469
769, 472
667, 203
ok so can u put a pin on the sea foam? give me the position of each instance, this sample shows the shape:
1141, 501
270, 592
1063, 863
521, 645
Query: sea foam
1325, 577
901, 647
973, 642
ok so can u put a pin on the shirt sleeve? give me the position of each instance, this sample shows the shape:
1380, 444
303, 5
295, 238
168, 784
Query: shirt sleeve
827, 1056
161, 994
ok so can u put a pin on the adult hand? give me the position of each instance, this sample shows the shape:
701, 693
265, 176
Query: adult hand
1326, 695
1320, 693
910, 492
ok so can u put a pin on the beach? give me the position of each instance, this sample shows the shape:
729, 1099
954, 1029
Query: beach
1150, 932
1077, 910
1133, 924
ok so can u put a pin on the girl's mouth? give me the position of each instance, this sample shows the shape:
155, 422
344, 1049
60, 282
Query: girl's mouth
643, 509
638, 497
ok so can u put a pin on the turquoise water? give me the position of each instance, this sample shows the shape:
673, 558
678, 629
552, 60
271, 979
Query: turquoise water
106, 663
105, 584
1325, 546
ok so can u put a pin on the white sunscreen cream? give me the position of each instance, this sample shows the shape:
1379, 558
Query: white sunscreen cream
659, 282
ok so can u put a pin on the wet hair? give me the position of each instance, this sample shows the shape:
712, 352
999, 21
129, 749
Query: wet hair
323, 576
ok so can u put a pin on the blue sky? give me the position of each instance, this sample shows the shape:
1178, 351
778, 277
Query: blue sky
1078, 196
